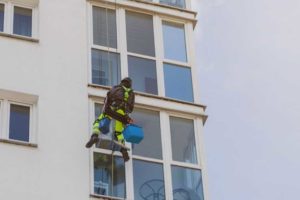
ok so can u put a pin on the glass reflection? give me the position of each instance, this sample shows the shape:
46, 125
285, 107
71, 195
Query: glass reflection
1, 17
22, 21
19, 122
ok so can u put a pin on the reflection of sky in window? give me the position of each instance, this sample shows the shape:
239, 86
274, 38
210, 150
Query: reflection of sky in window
176, 3
22, 21
148, 180
150, 122
107, 181
19, 122
1, 17
174, 42
143, 74
187, 184
104, 72
178, 82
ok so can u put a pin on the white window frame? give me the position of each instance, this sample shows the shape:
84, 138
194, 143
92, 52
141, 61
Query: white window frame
9, 17
166, 161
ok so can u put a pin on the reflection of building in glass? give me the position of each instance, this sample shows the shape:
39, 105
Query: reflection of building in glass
54, 75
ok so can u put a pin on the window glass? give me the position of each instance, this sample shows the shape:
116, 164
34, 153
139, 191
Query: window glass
22, 21
19, 122
104, 27
183, 140
176, 3
143, 73
150, 122
105, 68
178, 82
140, 35
1, 17
148, 180
109, 175
187, 184
174, 41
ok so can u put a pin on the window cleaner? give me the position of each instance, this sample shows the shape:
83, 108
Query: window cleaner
118, 104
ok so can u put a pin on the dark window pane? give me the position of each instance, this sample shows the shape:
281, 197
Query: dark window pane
22, 21
105, 68
183, 140
104, 27
140, 35
187, 184
176, 3
108, 180
148, 181
1, 17
174, 41
178, 82
19, 122
150, 122
143, 73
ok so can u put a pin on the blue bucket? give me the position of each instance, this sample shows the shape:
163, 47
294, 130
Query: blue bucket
104, 125
133, 134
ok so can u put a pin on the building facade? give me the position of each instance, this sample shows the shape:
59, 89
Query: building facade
59, 59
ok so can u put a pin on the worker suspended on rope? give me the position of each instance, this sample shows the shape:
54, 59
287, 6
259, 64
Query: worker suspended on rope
119, 103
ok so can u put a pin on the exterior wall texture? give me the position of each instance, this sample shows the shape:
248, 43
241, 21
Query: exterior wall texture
54, 71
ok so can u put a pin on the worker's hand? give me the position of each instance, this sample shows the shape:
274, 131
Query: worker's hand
130, 121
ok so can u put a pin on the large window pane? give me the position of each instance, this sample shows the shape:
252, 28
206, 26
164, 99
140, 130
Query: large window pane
150, 122
19, 122
143, 73
104, 27
148, 181
109, 175
183, 140
178, 82
187, 184
176, 3
140, 35
174, 41
105, 68
22, 21
1, 17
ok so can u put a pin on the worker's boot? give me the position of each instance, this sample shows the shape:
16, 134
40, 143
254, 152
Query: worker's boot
124, 154
93, 140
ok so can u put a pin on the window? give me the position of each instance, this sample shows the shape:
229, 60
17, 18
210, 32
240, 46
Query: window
183, 140
108, 180
149, 185
178, 82
105, 27
22, 21
174, 41
105, 68
143, 73
140, 35
187, 183
19, 122
1, 17
176, 3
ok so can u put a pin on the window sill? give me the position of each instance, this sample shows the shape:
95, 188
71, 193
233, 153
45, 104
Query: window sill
20, 37
19, 143
102, 197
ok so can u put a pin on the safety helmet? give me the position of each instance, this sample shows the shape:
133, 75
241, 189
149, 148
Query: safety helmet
127, 82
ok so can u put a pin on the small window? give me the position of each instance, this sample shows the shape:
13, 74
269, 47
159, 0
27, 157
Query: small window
22, 21
143, 73
176, 3
174, 41
183, 140
104, 27
1, 17
187, 183
140, 34
105, 68
150, 121
148, 180
178, 82
19, 122
109, 175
